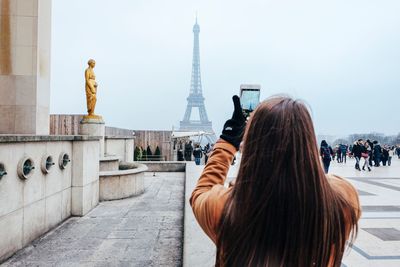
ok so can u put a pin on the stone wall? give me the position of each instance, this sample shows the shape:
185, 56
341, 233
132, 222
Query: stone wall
165, 166
114, 131
162, 139
120, 146
65, 124
119, 184
29, 207
68, 124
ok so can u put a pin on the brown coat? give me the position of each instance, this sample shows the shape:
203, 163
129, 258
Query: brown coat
209, 196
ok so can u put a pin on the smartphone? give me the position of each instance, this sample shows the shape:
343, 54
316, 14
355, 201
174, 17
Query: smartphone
249, 97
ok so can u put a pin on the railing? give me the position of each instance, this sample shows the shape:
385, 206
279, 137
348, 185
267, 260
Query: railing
152, 158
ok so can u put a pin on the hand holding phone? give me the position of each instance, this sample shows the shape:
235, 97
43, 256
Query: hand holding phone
234, 127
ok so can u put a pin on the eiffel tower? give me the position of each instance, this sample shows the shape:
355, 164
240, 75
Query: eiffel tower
196, 99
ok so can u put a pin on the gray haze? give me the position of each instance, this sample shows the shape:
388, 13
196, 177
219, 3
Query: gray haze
342, 57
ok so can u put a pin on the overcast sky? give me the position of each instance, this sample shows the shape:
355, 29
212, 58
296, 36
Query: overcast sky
342, 57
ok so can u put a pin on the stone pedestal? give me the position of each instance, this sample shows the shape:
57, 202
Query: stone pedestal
93, 126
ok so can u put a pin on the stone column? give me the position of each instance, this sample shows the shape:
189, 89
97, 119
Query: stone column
93, 127
129, 149
25, 41
85, 176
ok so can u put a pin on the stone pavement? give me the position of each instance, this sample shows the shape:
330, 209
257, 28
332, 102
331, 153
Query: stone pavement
378, 241
198, 249
147, 230
139, 231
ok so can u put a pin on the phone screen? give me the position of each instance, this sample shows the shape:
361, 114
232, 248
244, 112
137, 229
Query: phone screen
250, 98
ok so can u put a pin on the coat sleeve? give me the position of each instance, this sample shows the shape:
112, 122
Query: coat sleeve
209, 196
349, 193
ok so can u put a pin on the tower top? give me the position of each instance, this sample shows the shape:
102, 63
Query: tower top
196, 27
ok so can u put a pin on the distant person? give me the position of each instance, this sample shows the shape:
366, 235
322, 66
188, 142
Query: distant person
391, 152
350, 150
282, 210
371, 152
385, 155
326, 153
339, 154
180, 155
343, 149
377, 153
206, 151
365, 155
357, 150
198, 154
188, 151
180, 146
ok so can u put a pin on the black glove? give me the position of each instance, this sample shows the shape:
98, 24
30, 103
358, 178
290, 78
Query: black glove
234, 127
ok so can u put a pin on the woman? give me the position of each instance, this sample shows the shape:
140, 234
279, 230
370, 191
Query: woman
283, 210
357, 150
365, 154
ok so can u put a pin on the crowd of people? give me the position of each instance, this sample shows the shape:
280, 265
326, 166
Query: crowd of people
367, 154
187, 151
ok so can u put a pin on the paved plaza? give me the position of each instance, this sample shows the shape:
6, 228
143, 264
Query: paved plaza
378, 241
139, 231
148, 230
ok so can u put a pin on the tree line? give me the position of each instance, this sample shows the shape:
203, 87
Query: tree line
141, 154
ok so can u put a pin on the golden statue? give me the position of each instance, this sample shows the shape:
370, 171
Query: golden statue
91, 89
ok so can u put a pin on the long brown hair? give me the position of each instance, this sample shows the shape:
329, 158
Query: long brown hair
282, 210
